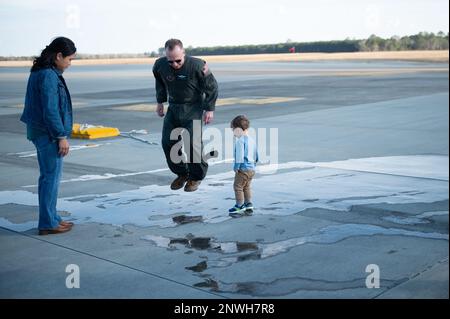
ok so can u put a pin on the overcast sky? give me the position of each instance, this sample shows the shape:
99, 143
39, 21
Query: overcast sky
137, 26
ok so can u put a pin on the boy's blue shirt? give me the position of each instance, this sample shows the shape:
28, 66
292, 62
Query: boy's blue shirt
245, 154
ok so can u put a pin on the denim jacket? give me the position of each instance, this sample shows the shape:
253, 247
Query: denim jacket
48, 106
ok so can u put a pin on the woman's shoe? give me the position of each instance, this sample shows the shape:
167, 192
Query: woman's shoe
66, 224
58, 230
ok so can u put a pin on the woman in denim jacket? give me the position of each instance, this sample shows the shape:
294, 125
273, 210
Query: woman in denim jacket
48, 115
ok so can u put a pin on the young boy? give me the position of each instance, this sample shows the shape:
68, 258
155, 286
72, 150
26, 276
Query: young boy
245, 159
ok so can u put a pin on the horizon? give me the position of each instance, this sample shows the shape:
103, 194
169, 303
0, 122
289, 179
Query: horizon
293, 42
144, 27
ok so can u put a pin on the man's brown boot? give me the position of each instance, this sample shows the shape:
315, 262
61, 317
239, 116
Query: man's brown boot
179, 182
191, 186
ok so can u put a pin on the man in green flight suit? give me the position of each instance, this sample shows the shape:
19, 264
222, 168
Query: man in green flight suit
191, 90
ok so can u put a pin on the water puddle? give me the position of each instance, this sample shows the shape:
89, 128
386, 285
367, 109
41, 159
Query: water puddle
183, 219
285, 286
424, 218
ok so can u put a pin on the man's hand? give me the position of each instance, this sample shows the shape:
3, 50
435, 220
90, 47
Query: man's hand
160, 109
63, 147
208, 117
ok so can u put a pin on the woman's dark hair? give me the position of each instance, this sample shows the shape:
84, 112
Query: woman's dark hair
48, 55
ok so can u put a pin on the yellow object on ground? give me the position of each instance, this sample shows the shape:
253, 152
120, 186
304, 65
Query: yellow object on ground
90, 132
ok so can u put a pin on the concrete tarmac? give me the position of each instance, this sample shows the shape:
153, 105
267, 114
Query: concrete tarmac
352, 190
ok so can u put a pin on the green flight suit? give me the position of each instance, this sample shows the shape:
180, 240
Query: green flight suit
190, 91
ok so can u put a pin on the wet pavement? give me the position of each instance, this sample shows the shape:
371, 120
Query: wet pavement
362, 179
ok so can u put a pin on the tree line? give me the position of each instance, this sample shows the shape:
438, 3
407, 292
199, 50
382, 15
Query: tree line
420, 41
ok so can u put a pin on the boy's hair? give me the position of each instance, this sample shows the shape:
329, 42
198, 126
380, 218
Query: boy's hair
240, 121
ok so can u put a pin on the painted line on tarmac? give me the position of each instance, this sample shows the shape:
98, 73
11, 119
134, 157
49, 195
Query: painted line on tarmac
85, 178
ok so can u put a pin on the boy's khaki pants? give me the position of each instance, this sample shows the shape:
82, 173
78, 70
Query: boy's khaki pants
242, 186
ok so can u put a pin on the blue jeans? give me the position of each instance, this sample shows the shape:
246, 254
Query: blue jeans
50, 168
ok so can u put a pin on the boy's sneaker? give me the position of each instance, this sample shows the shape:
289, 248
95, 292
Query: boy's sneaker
237, 211
248, 208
